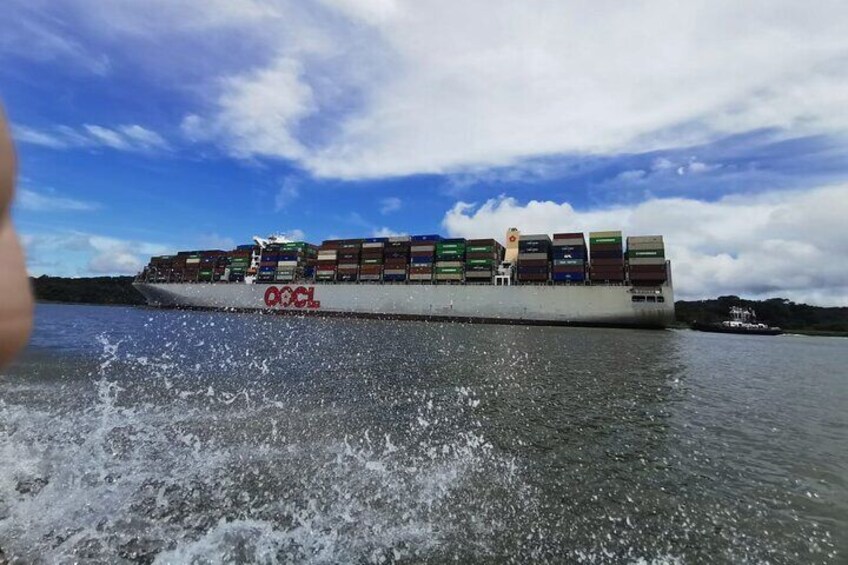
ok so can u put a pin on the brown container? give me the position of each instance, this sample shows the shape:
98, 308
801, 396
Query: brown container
606, 247
569, 235
371, 269
532, 262
648, 269
421, 270
492, 256
399, 263
533, 278
607, 263
648, 276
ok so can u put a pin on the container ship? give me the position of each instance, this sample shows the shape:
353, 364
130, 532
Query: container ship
532, 279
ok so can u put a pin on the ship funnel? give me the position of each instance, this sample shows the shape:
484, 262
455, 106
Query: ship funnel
511, 253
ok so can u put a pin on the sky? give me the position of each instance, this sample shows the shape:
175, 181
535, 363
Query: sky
148, 127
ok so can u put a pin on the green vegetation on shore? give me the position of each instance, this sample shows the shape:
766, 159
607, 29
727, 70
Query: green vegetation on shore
800, 318
94, 290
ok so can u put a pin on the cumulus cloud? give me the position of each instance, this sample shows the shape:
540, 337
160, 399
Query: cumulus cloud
131, 137
27, 199
294, 234
788, 244
458, 88
374, 88
258, 113
77, 254
386, 232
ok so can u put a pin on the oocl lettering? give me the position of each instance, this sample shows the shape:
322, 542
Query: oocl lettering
288, 297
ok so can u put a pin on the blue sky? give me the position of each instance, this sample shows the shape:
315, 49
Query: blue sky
148, 127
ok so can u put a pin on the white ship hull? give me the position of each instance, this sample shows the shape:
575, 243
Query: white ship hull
526, 304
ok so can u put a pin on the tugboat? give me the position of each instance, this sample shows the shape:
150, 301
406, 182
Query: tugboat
742, 321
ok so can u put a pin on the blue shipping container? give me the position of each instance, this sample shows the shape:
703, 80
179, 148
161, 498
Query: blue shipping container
575, 277
426, 237
421, 260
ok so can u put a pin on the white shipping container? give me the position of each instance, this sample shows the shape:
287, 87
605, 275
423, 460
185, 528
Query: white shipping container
192, 260
287, 263
373, 245
647, 261
636, 246
532, 256
430, 248
449, 263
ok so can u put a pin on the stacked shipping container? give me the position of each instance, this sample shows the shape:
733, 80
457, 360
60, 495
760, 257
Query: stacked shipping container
371, 259
607, 257
350, 251
190, 261
425, 259
328, 255
450, 260
534, 258
568, 258
238, 264
482, 257
396, 259
422, 257
646, 260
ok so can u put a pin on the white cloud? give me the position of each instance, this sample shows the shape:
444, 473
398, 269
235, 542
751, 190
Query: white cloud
294, 234
131, 137
789, 244
390, 204
386, 232
258, 113
78, 254
27, 199
215, 241
289, 192
23, 134
631, 175
42, 38
443, 86
143, 137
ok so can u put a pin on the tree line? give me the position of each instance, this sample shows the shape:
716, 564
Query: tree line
774, 311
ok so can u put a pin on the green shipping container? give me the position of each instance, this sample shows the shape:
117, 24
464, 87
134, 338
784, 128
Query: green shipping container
448, 270
645, 253
446, 246
487, 262
480, 249
604, 240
